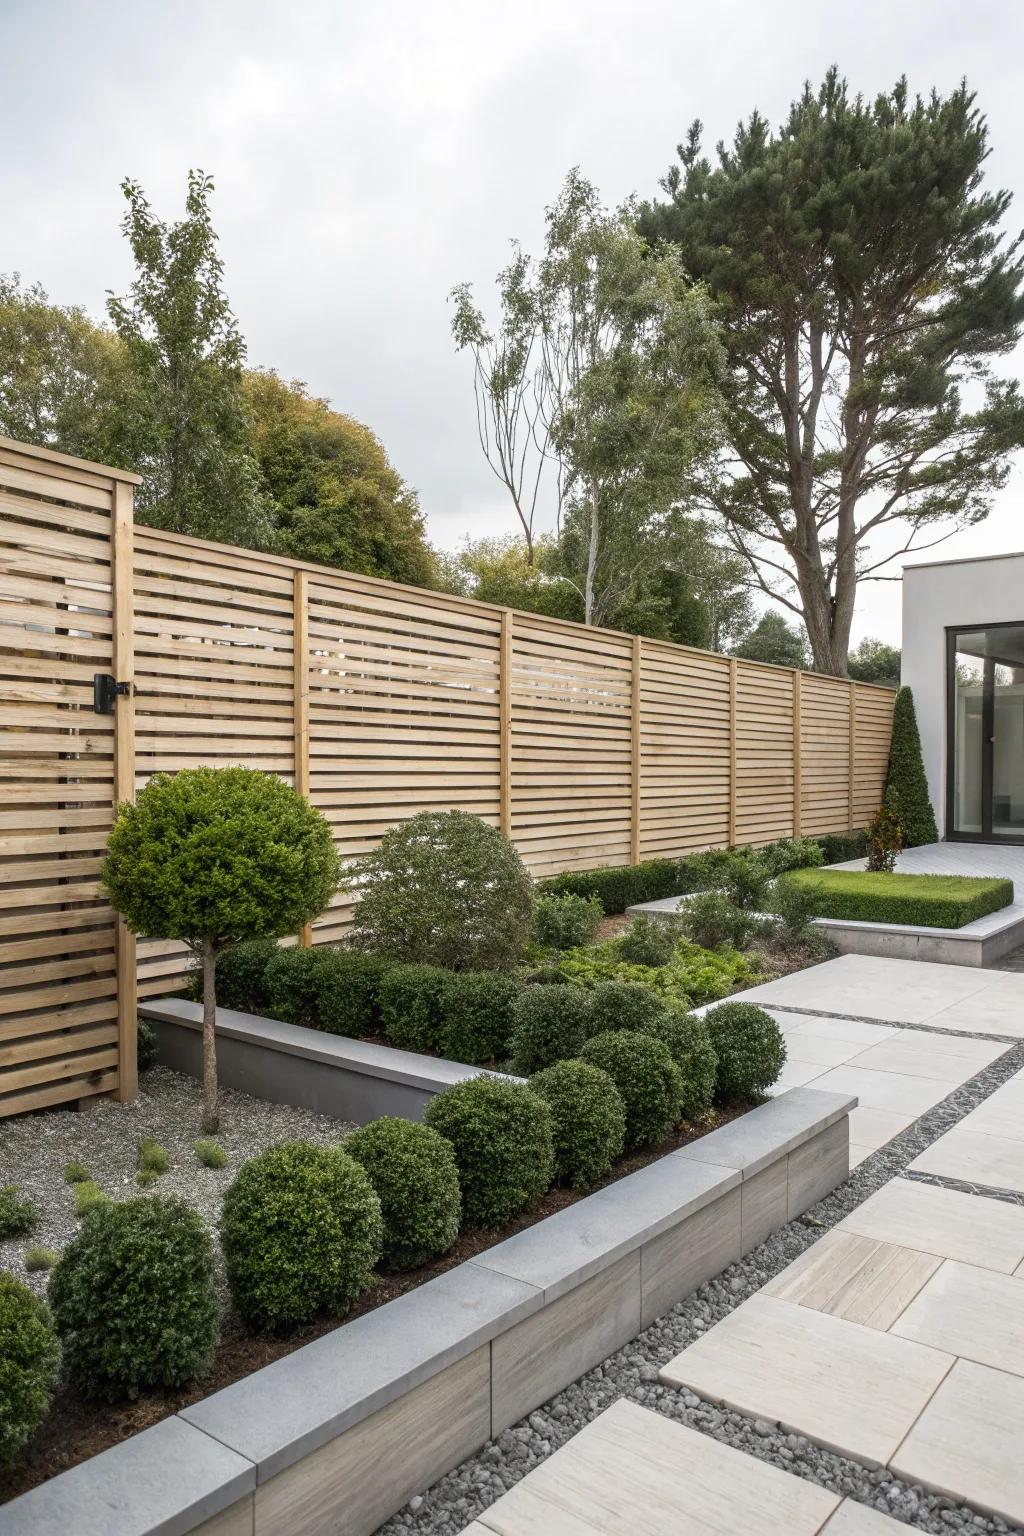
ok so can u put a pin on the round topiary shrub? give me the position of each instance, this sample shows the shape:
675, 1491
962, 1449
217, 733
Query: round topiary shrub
413, 1170
409, 998
588, 1120
689, 1044
476, 1015
446, 889
750, 1048
618, 1005
501, 1136
134, 1298
565, 922
301, 1230
646, 942
29, 1365
549, 1024
649, 1082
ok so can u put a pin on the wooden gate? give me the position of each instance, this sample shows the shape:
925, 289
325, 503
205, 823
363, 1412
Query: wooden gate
67, 965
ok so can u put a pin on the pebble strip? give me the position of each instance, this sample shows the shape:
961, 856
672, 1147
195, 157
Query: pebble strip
926, 1027
989, 1191
460, 1497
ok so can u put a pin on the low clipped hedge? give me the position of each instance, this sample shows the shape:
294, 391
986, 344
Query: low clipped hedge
619, 888
410, 1006
476, 1015
931, 901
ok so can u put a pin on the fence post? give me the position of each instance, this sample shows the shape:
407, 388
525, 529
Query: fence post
853, 751
635, 766
796, 753
123, 661
733, 667
300, 658
505, 724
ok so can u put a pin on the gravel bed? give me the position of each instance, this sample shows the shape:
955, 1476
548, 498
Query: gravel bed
35, 1150
460, 1496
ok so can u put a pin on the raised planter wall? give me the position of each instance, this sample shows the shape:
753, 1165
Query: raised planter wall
339, 1435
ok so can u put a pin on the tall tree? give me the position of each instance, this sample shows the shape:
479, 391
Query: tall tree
875, 661
334, 496
188, 430
862, 282
775, 641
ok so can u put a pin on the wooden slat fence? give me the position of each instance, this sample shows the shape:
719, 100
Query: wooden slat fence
586, 746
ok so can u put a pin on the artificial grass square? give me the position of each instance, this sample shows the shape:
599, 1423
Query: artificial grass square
927, 901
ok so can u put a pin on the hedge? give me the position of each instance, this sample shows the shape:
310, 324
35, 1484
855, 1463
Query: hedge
930, 901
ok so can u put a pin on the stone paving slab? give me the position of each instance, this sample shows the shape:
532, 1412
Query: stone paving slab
853, 1519
872, 988
975, 1157
976, 1313
944, 1222
859, 1278
898, 1092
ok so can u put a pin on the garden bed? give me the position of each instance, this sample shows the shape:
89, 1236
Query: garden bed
932, 901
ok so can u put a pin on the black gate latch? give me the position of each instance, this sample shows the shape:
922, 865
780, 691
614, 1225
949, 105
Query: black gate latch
105, 690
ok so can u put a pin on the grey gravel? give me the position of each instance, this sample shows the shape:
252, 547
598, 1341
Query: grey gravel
461, 1496
35, 1150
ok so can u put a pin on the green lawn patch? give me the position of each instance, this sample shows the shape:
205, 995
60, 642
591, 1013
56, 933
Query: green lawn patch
930, 901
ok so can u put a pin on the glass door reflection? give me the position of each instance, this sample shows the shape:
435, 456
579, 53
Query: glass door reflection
986, 735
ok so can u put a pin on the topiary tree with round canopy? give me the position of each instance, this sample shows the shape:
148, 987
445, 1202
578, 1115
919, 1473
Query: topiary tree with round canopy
214, 856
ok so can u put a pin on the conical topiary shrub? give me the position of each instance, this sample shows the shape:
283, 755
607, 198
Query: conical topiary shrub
906, 775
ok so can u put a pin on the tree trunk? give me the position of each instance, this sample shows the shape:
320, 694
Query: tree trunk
588, 613
211, 1116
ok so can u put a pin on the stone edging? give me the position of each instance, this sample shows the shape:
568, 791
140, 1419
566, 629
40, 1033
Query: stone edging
378, 1409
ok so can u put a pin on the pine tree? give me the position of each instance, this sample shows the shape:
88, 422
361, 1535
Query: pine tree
905, 774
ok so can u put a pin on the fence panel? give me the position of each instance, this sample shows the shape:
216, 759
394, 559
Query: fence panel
765, 761
685, 750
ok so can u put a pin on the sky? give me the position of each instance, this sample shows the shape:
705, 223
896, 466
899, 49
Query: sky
367, 157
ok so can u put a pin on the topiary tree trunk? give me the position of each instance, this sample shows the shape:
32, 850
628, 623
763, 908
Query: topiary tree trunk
906, 775
211, 1113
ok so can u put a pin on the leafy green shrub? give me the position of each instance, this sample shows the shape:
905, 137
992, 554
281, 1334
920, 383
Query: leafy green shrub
301, 1230
905, 774
476, 1015
145, 1177
689, 1044
841, 847
791, 853
38, 1258
347, 992
711, 919
750, 1048
649, 1082
501, 1135
76, 1173
211, 1154
153, 1158
29, 1365
617, 888
18, 1217
241, 974
134, 1297
87, 1195
565, 922
412, 1168
146, 1048
885, 834
930, 901
693, 976
410, 1006
623, 1005
705, 871
546, 976
587, 1117
744, 880
214, 856
291, 983
549, 1024
444, 888
648, 941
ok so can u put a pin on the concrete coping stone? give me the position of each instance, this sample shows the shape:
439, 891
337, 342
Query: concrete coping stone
432, 1073
770, 1131
164, 1481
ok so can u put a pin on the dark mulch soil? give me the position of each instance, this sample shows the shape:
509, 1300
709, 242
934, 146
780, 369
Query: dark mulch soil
77, 1429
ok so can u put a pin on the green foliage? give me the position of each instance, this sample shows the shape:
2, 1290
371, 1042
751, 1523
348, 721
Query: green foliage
38, 1259
301, 1230
18, 1217
623, 1005
794, 903
413, 1170
185, 353
29, 1365
501, 571
750, 1049
875, 662
241, 973
689, 1044
648, 1080
549, 1024
692, 977
744, 879
858, 243
410, 1006
210, 1153
791, 853
705, 871
905, 774
501, 1135
931, 901
153, 1158
588, 1120
840, 847
348, 985
649, 941
88, 1195
146, 1177
565, 922
291, 983
617, 888
774, 641
76, 1173
885, 834
711, 919
146, 1046
444, 888
476, 1015
220, 854
134, 1297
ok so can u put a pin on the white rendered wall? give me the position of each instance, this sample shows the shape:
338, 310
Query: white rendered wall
953, 594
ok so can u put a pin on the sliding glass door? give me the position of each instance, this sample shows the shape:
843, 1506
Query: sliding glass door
985, 734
